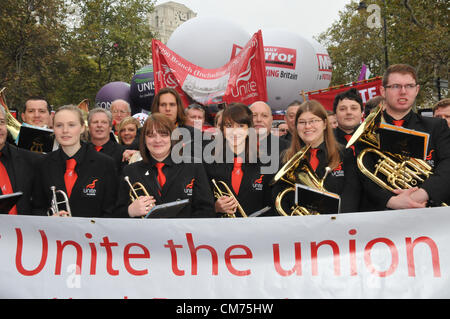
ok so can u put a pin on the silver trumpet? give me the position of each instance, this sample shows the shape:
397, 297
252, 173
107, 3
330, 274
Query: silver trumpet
54, 206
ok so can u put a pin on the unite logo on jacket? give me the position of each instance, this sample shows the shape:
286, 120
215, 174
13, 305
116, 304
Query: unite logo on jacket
188, 188
89, 189
258, 183
338, 171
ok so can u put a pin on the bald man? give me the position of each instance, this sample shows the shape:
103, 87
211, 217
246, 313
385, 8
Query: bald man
270, 146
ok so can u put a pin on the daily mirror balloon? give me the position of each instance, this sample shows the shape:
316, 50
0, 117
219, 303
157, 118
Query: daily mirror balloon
110, 92
142, 90
291, 66
208, 41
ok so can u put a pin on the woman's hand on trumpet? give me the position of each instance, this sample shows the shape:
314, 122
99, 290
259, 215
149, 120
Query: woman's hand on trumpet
226, 204
141, 206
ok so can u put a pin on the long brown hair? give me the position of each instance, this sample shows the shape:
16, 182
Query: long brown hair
181, 117
328, 135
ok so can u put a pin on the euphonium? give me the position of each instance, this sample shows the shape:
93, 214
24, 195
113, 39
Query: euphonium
297, 170
12, 123
391, 171
218, 192
54, 206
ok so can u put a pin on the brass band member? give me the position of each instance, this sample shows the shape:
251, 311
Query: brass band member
164, 180
400, 89
313, 128
89, 178
244, 177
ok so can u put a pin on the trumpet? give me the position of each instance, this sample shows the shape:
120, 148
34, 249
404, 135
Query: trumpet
12, 124
134, 188
54, 206
218, 192
296, 170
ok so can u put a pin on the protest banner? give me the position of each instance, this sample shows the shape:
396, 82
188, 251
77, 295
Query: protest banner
242, 79
391, 254
366, 88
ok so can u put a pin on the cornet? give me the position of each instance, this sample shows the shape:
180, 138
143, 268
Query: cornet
54, 206
218, 192
135, 188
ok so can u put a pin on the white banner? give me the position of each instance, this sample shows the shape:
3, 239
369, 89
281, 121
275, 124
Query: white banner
392, 254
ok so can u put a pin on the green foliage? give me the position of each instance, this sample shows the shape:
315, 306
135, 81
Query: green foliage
417, 34
65, 50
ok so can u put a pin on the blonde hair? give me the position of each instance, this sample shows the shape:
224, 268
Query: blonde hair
126, 121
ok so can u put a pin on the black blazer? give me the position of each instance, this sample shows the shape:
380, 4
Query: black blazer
183, 181
115, 151
95, 191
22, 164
254, 192
438, 156
342, 180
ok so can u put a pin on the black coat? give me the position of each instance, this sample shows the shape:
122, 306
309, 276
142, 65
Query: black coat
115, 151
342, 180
21, 166
183, 181
95, 191
438, 156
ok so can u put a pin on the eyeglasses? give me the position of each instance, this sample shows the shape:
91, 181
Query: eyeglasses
121, 112
398, 87
311, 122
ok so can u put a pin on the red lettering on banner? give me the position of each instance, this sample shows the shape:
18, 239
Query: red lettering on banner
297, 268
109, 255
44, 254
193, 250
59, 249
394, 256
352, 250
93, 255
173, 253
229, 256
434, 255
127, 256
336, 259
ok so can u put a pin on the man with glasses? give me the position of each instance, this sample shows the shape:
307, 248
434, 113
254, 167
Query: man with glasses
120, 109
400, 89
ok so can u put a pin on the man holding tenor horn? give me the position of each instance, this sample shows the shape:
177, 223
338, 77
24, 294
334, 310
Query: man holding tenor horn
400, 89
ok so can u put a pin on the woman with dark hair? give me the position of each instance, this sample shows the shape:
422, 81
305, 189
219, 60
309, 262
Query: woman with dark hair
237, 165
164, 180
314, 130
87, 177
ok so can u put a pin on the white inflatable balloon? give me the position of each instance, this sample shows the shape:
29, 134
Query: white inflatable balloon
291, 66
207, 41
324, 66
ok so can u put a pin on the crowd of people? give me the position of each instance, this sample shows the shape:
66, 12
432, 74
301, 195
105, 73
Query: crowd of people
176, 154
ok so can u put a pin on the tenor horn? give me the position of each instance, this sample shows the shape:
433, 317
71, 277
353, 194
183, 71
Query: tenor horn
12, 123
226, 191
297, 170
54, 206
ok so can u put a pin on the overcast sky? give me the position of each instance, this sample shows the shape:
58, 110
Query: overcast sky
307, 18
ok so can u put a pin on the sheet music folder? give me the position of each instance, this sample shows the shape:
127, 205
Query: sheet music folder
36, 139
403, 141
8, 201
318, 201
167, 210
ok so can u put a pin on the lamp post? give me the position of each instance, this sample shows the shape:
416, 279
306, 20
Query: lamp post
363, 6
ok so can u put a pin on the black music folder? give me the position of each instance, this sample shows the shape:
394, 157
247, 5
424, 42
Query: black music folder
167, 210
8, 201
403, 141
36, 139
316, 200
